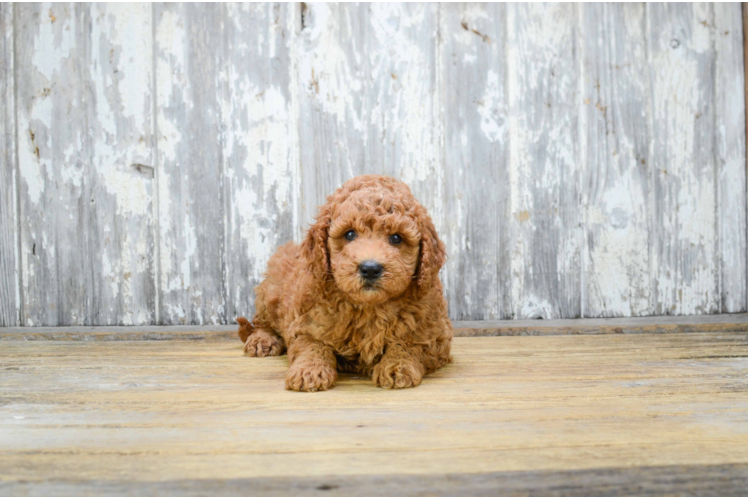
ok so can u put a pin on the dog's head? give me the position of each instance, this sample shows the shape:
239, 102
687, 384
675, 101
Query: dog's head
375, 240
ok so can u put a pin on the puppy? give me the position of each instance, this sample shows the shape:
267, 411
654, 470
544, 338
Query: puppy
360, 294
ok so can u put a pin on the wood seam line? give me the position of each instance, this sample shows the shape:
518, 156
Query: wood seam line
745, 71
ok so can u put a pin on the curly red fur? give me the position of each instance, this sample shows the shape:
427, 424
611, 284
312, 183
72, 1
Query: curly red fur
314, 301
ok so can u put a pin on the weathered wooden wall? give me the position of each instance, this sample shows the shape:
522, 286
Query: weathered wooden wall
578, 160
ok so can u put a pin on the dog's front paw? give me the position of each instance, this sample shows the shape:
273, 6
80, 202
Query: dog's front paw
310, 376
398, 373
261, 344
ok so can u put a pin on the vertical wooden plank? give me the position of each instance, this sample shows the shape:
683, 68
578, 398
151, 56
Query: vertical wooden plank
84, 103
614, 149
731, 154
257, 143
745, 79
120, 121
367, 78
684, 234
9, 291
55, 202
402, 106
544, 100
190, 194
476, 194
332, 84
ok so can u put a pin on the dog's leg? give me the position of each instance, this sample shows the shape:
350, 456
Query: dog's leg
437, 354
399, 368
313, 366
263, 342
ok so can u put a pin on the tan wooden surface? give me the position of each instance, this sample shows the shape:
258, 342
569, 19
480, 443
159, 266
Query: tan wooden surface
186, 416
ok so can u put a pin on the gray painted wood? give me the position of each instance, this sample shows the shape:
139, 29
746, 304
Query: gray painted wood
578, 160
402, 124
730, 154
9, 291
260, 181
331, 83
122, 156
615, 172
84, 104
55, 203
190, 170
367, 86
544, 99
476, 145
685, 245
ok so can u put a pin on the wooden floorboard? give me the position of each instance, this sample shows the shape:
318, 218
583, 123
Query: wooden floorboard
530, 327
548, 415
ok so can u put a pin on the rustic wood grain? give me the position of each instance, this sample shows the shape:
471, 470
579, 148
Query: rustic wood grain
191, 197
685, 273
122, 159
578, 160
543, 87
94, 415
84, 127
367, 92
331, 88
730, 153
259, 178
683, 480
403, 123
614, 148
745, 96
55, 203
475, 226
9, 289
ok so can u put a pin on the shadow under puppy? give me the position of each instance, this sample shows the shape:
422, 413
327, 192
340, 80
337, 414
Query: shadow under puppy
360, 294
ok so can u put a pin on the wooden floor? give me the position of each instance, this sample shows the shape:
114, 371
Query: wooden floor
551, 415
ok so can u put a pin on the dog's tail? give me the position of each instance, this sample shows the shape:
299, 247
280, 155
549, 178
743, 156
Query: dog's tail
245, 328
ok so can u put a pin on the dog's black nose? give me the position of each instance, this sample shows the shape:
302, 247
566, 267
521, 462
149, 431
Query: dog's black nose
370, 269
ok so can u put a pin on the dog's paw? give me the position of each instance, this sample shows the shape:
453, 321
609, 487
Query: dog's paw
398, 374
261, 344
310, 376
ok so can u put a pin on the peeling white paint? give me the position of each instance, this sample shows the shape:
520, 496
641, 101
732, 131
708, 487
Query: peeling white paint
53, 43
730, 114
687, 279
543, 157
31, 168
131, 191
536, 308
492, 123
327, 73
170, 74
331, 101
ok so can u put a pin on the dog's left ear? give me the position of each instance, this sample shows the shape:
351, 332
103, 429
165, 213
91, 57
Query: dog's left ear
314, 247
433, 253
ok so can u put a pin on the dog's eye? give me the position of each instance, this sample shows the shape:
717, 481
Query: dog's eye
396, 239
350, 235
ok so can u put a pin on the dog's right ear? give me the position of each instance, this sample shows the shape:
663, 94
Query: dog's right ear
314, 247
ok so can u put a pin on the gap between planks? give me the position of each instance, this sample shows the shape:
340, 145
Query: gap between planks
586, 326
